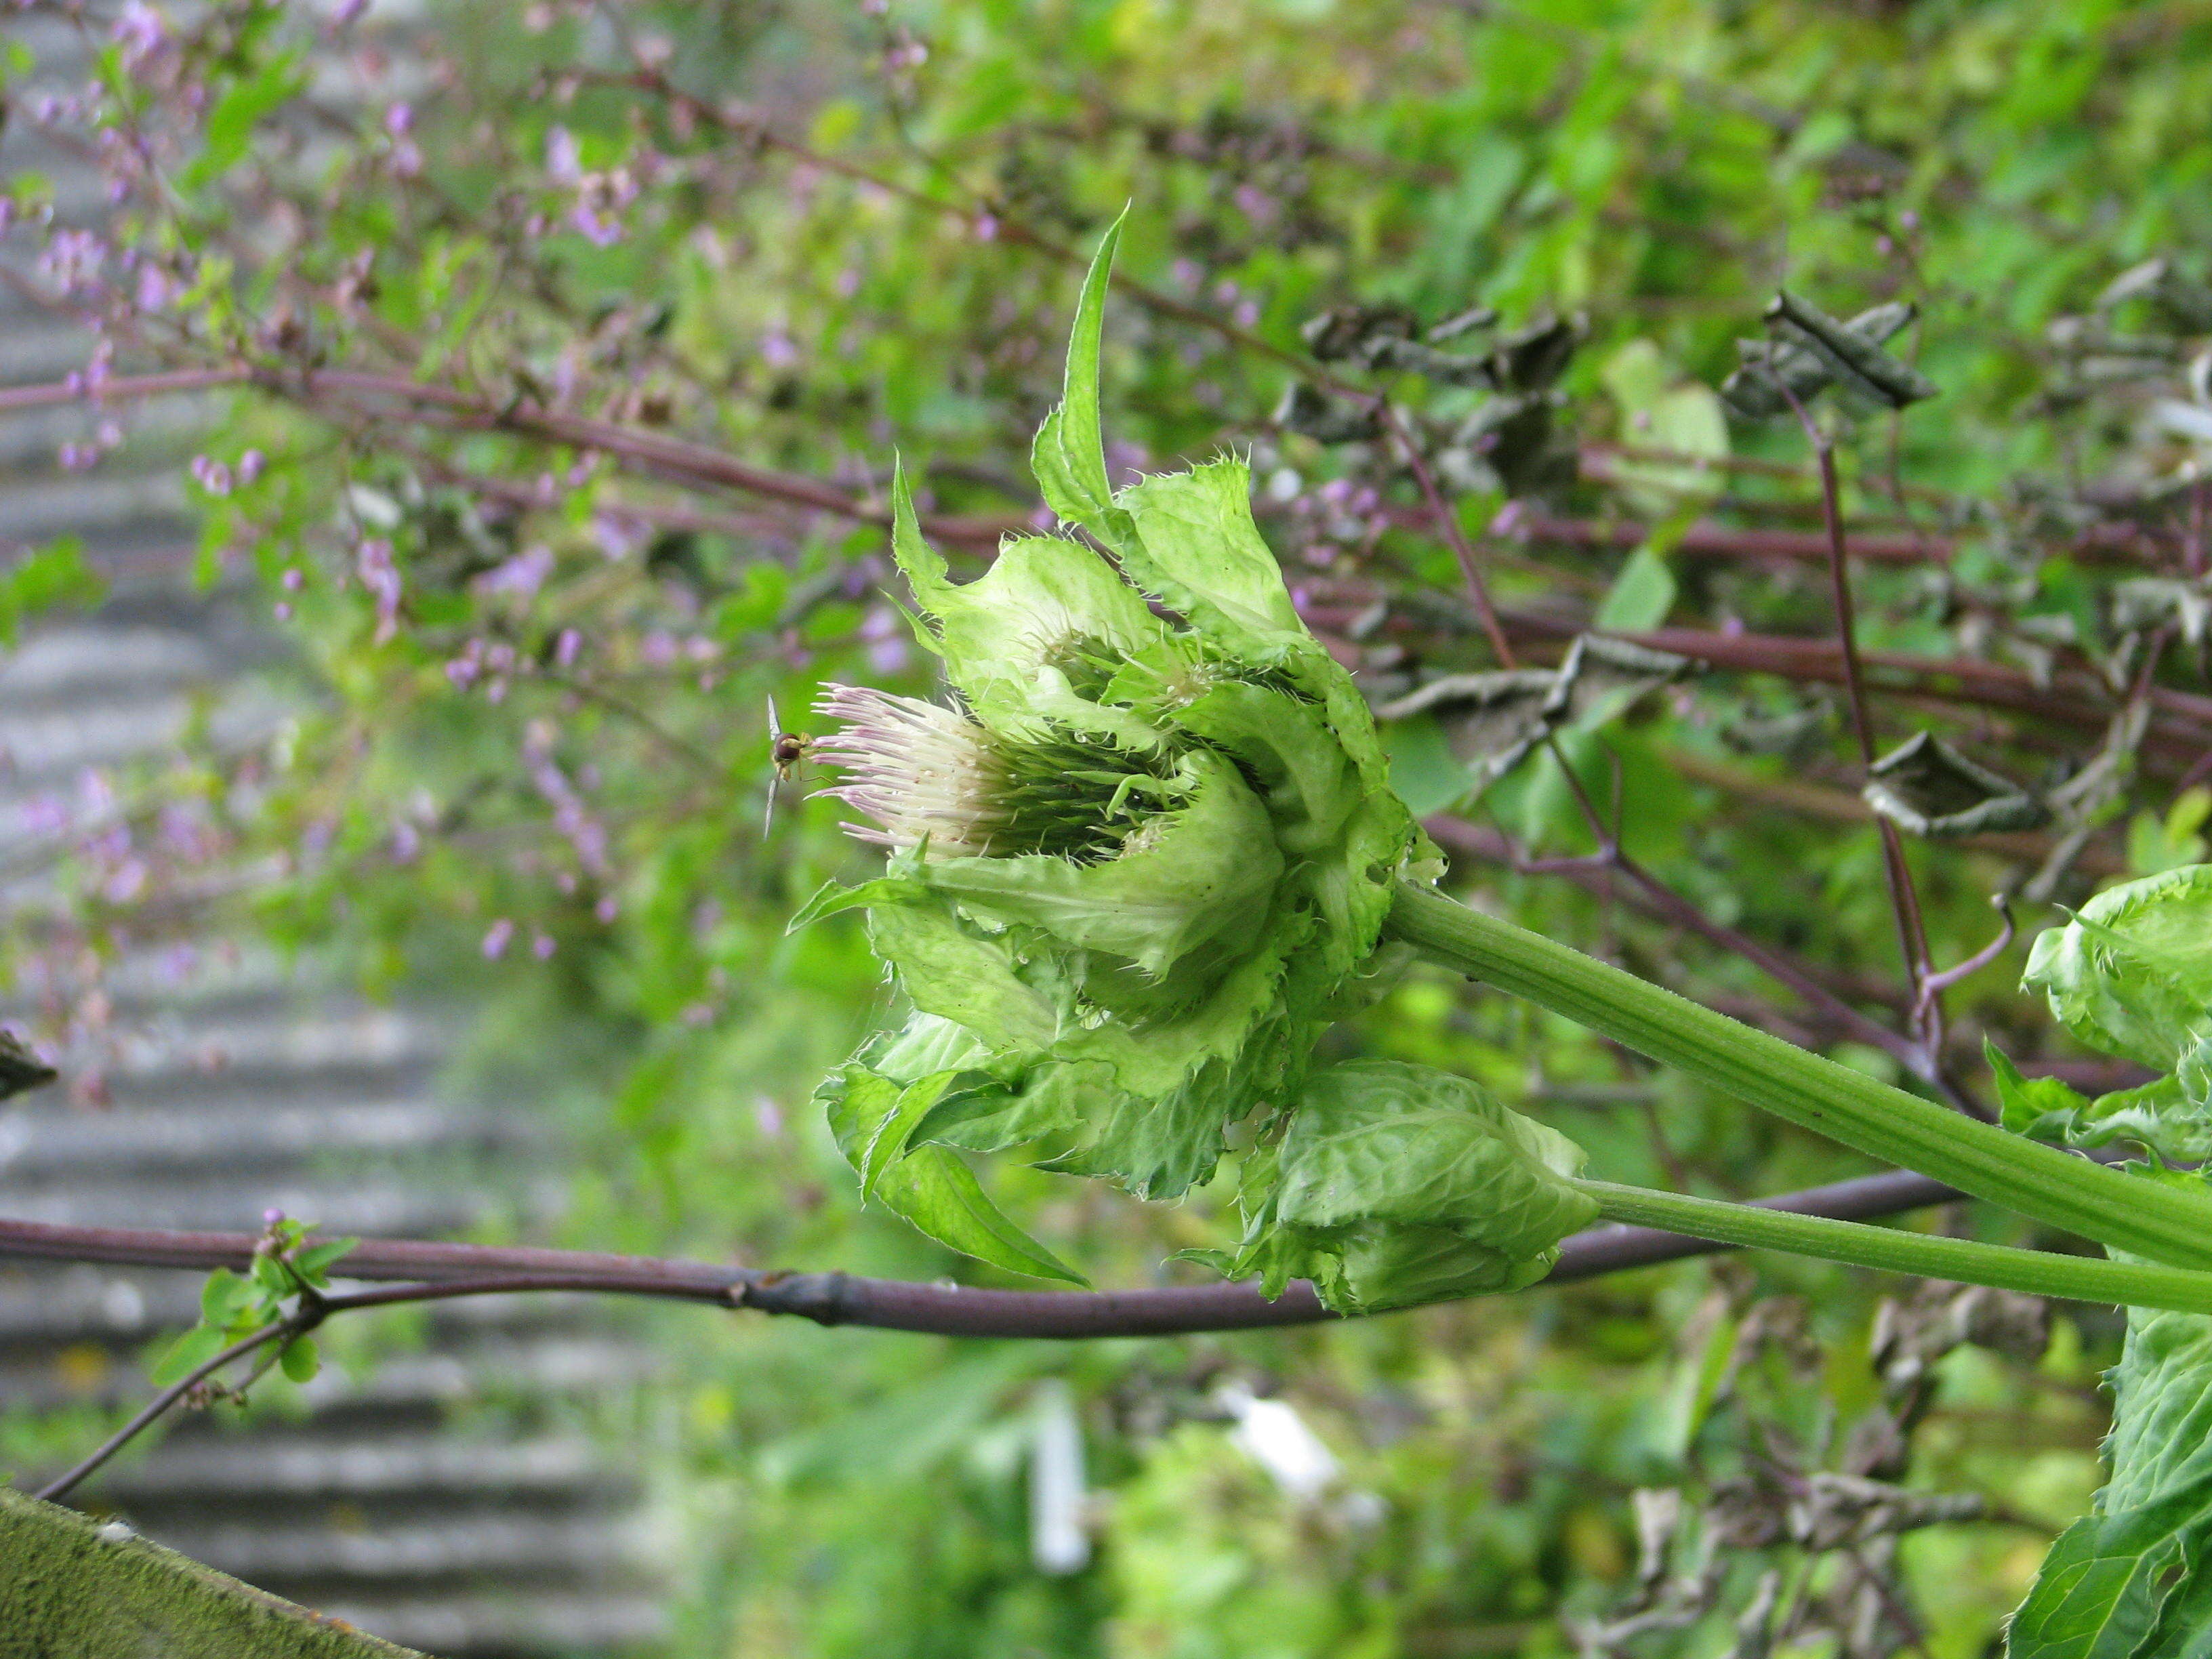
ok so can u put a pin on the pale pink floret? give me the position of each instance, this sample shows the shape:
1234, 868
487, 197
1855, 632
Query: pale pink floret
919, 769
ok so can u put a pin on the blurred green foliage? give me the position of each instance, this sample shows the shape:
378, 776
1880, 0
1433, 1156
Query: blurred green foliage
534, 669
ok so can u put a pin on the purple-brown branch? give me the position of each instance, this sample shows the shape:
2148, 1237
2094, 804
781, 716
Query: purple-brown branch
429, 1270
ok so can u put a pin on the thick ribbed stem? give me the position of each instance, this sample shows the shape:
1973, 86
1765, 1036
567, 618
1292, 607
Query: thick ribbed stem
2146, 1218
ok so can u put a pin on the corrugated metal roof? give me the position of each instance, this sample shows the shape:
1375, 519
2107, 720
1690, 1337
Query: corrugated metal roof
230, 1086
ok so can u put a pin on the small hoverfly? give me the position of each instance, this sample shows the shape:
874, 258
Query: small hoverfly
787, 750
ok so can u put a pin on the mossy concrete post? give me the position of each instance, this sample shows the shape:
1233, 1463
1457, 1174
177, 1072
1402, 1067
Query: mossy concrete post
71, 1588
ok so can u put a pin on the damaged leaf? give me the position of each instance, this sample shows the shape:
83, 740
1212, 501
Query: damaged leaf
1804, 367
1926, 787
1492, 720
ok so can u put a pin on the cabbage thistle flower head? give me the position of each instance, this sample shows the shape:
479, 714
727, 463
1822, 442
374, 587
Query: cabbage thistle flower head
1139, 857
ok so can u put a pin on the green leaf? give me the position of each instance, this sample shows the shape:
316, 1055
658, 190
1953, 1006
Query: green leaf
1161, 1144
1641, 595
1381, 1141
56, 576
2099, 1591
241, 108
1069, 454
313, 1263
273, 1277
888, 1143
300, 1359
1009, 637
991, 1115
2028, 1108
1696, 1387
911, 1430
1660, 410
1198, 552
188, 1353
931, 1188
1427, 1184
224, 1297
2119, 1583
2160, 1116
831, 897
2132, 973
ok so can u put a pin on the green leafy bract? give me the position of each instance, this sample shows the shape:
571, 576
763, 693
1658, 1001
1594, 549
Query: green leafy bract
1399, 1185
1207, 841
929, 1187
2132, 974
2157, 1114
2128, 1579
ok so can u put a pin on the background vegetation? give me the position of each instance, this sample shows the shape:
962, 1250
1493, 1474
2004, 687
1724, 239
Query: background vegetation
574, 343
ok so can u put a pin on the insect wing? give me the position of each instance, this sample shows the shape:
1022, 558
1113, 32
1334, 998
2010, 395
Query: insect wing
775, 762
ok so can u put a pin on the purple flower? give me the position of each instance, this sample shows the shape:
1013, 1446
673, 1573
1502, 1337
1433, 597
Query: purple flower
562, 161
128, 881
521, 575
1254, 203
616, 539
73, 258
95, 795
45, 815
496, 938
381, 576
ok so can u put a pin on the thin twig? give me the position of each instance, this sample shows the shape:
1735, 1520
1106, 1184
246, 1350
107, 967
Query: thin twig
1936, 984
1904, 899
1448, 526
118, 387
313, 1312
287, 1328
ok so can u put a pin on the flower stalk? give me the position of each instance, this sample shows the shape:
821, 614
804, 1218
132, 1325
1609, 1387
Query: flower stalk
2166, 1224
1890, 1250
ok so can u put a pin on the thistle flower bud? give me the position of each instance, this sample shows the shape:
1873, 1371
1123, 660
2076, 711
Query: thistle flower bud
1137, 863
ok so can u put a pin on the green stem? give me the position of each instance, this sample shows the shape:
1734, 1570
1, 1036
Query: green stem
2083, 1278
2143, 1217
